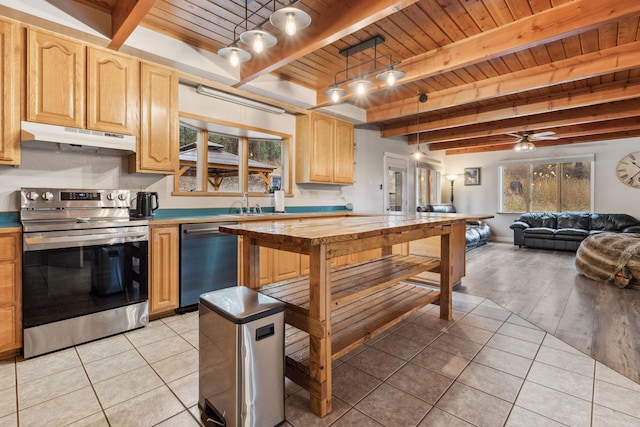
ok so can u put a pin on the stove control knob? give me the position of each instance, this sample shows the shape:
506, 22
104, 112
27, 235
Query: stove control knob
32, 195
48, 196
110, 196
123, 196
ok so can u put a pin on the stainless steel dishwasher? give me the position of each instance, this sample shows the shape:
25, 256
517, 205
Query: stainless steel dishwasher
208, 261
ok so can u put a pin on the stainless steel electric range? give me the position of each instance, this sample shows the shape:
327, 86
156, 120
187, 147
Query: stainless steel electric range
85, 266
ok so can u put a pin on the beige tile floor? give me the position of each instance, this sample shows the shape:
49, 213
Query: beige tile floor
487, 367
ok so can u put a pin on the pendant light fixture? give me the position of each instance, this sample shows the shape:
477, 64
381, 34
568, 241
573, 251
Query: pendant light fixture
391, 76
419, 154
360, 84
289, 19
258, 39
234, 55
335, 93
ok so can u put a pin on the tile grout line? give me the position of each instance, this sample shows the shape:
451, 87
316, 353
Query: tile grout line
102, 409
163, 380
435, 405
164, 383
405, 362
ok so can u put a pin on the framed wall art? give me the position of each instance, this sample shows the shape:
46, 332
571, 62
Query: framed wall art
472, 176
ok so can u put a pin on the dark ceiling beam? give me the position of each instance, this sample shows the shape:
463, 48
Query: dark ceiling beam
126, 15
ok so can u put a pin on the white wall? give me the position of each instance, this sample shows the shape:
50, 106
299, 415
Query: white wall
366, 194
611, 196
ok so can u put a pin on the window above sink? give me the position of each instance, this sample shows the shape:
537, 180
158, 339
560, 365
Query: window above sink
220, 159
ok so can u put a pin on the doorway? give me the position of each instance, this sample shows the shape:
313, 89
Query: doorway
395, 183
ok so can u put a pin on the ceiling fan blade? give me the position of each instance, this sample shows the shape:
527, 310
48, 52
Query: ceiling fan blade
544, 135
546, 138
515, 135
547, 133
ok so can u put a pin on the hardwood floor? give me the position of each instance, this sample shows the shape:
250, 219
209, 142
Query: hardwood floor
545, 288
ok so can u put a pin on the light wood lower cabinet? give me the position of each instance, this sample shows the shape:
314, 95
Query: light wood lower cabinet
286, 265
10, 291
164, 274
278, 265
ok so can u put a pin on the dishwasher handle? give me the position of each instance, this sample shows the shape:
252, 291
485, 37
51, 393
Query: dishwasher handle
204, 230
196, 231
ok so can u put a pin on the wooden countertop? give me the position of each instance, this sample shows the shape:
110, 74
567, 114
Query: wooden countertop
248, 218
316, 231
302, 215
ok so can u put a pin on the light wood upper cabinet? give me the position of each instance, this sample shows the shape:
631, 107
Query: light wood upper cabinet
10, 291
320, 147
343, 147
113, 92
56, 80
164, 277
11, 47
158, 142
324, 150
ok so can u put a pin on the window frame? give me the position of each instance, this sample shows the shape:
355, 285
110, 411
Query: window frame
558, 161
243, 154
429, 165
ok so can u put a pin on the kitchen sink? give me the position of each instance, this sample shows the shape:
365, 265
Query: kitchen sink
254, 215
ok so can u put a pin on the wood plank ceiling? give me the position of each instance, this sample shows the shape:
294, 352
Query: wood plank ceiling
489, 67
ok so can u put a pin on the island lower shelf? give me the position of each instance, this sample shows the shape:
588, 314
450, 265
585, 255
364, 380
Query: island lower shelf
367, 299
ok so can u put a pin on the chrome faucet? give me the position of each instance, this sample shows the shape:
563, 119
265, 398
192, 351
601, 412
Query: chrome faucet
245, 202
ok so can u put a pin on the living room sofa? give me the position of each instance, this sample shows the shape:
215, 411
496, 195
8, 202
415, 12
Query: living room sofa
566, 230
477, 233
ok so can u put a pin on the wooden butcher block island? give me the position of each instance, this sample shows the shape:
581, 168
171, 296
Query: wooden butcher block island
331, 311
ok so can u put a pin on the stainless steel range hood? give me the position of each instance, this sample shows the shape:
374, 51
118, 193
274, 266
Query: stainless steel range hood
63, 138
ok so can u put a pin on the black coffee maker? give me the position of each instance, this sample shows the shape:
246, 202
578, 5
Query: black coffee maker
144, 204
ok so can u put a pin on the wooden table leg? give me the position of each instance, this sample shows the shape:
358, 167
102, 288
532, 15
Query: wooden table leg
250, 263
320, 346
446, 266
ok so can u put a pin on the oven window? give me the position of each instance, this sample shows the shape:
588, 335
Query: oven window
64, 283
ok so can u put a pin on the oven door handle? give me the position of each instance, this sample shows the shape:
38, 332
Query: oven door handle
40, 243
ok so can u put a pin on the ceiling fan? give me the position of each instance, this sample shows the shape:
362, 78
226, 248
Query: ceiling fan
525, 139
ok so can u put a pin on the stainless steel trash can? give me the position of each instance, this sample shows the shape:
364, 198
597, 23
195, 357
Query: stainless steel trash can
241, 375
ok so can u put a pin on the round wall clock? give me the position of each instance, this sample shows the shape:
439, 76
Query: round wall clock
628, 170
